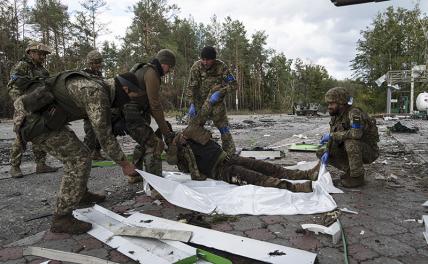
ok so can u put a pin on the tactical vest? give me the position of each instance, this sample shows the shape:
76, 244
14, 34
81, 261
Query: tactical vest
143, 67
58, 112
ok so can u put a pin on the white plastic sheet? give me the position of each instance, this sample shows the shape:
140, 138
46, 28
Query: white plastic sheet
212, 196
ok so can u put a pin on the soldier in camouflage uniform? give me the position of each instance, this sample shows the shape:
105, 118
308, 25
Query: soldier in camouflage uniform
94, 65
73, 96
352, 140
209, 82
138, 113
29, 67
209, 160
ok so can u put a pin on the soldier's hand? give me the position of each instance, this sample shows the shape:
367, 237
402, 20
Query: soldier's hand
128, 168
325, 138
192, 111
324, 158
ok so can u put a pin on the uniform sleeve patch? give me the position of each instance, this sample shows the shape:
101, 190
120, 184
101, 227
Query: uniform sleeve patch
356, 122
229, 78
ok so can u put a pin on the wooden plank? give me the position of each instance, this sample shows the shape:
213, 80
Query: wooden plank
64, 256
158, 233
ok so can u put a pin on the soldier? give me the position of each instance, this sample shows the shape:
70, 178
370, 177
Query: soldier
73, 96
94, 65
352, 140
138, 112
209, 160
29, 67
209, 82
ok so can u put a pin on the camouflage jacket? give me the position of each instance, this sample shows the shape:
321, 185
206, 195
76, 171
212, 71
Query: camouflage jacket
203, 82
25, 68
353, 123
79, 97
93, 72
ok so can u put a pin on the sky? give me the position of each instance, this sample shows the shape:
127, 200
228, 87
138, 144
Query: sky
313, 30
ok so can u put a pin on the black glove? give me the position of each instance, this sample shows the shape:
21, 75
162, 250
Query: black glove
119, 128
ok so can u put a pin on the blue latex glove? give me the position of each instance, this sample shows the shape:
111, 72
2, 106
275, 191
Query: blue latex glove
192, 111
324, 158
325, 138
215, 97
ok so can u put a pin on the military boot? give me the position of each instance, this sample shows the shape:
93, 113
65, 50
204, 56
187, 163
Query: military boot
96, 155
15, 172
68, 224
91, 198
305, 187
352, 182
313, 173
43, 168
134, 179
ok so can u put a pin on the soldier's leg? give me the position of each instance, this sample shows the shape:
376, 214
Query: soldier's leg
338, 157
239, 175
275, 170
221, 121
16, 157
355, 160
66, 147
40, 159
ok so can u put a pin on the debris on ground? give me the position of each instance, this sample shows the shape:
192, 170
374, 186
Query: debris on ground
194, 218
400, 128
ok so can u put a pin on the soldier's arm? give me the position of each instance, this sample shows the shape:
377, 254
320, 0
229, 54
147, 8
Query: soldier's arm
20, 71
356, 130
97, 104
153, 93
193, 85
229, 82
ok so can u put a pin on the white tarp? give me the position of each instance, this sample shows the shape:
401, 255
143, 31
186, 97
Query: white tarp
212, 196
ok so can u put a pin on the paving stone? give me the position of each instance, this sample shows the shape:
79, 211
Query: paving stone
90, 243
41, 260
118, 257
423, 251
143, 199
69, 245
10, 253
55, 236
101, 253
120, 209
305, 242
272, 219
260, 234
28, 240
278, 230
154, 212
416, 259
382, 260
353, 234
387, 246
329, 256
16, 261
247, 223
237, 233
385, 228
415, 240
361, 253
223, 227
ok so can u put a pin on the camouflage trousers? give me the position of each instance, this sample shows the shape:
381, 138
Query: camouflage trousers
242, 171
350, 155
216, 113
64, 145
90, 139
18, 147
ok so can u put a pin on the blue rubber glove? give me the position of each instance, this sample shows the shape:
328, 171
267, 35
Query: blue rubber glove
215, 97
325, 138
192, 111
324, 158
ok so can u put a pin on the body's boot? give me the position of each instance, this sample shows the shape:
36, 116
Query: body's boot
15, 172
91, 198
68, 224
43, 168
305, 187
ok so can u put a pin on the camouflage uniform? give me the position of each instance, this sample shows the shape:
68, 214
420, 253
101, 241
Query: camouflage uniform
353, 142
202, 84
25, 69
90, 139
210, 161
138, 113
76, 97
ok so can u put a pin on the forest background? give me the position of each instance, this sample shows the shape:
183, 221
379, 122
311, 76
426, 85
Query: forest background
268, 80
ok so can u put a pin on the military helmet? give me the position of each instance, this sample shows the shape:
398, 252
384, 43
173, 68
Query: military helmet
34, 45
337, 95
94, 56
166, 56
